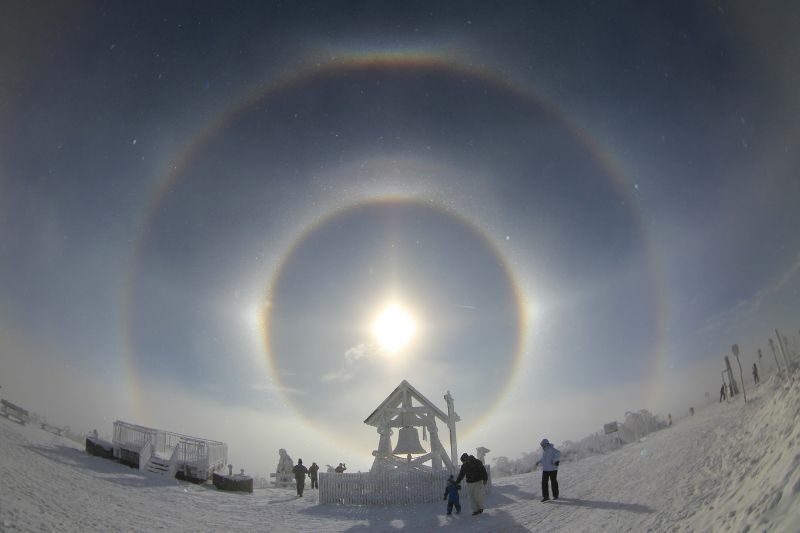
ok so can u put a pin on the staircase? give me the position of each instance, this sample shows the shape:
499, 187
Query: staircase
158, 465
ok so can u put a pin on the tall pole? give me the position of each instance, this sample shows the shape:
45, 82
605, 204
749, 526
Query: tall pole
451, 425
774, 354
735, 350
783, 350
733, 386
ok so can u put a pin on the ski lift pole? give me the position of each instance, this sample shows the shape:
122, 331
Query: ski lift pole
735, 350
783, 350
774, 354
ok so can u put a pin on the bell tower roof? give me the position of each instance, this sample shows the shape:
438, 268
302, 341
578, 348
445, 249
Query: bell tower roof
395, 401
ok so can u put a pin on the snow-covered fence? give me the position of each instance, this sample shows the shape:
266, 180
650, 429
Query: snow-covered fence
202, 456
145, 453
13, 412
195, 458
389, 488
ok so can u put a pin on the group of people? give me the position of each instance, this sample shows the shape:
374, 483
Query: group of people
474, 472
727, 390
300, 471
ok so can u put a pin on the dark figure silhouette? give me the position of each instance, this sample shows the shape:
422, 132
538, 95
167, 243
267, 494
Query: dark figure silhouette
755, 373
300, 472
312, 473
722, 393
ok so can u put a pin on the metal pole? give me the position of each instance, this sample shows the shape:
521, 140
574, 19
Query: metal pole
783, 351
735, 349
734, 386
775, 355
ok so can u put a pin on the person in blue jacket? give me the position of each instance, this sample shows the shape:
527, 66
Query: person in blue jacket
551, 457
451, 495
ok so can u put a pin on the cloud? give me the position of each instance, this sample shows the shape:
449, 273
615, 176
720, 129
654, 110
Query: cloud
746, 308
353, 359
360, 351
343, 374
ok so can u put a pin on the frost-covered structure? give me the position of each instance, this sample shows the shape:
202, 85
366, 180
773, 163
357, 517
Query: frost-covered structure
168, 453
407, 410
283, 473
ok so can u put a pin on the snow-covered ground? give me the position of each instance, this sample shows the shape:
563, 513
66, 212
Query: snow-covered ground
731, 467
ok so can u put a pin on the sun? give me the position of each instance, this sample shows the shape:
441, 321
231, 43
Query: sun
394, 329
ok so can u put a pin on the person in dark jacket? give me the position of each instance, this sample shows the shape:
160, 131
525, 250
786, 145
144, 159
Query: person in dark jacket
722, 393
312, 473
475, 473
755, 373
451, 495
300, 472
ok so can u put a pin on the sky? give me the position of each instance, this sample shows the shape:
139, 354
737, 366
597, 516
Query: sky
205, 207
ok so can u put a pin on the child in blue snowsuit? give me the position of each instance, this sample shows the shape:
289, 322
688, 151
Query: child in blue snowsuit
451, 495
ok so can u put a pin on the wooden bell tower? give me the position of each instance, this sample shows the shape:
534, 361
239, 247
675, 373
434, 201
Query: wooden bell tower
406, 409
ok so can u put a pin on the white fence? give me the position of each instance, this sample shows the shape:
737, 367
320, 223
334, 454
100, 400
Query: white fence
201, 455
382, 489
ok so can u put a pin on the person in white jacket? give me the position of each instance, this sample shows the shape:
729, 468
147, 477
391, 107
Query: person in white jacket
551, 457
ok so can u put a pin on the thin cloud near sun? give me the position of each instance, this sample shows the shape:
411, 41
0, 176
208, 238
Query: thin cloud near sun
353, 361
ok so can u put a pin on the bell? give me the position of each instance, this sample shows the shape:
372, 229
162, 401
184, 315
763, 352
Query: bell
408, 442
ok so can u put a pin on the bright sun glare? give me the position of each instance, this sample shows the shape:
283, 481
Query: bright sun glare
394, 328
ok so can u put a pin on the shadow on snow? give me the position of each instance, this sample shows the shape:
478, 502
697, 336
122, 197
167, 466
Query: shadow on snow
597, 504
100, 468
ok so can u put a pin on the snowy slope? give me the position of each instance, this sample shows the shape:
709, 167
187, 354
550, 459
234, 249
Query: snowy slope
730, 467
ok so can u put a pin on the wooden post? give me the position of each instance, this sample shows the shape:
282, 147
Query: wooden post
735, 350
451, 425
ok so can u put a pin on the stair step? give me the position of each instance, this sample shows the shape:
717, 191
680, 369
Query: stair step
156, 465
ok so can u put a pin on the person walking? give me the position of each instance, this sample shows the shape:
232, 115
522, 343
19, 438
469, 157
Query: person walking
475, 473
722, 393
300, 472
755, 373
550, 460
312, 473
451, 495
